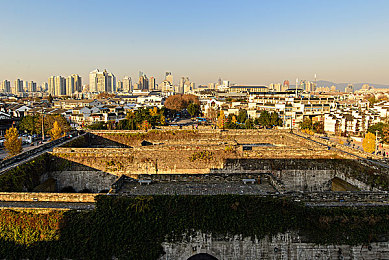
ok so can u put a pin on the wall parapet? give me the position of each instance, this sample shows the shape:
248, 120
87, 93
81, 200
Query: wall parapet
48, 197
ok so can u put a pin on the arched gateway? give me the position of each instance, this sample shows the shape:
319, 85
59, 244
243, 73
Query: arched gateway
202, 256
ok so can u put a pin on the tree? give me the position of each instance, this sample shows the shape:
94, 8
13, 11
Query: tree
306, 124
264, 119
242, 116
12, 143
221, 120
275, 120
377, 127
29, 124
145, 125
193, 109
249, 123
385, 134
368, 143
56, 131
179, 102
318, 127
50, 99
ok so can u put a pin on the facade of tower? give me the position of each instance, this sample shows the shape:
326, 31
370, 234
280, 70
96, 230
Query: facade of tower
6, 86
169, 77
127, 84
152, 85
31, 87
51, 85
18, 85
93, 80
59, 86
143, 83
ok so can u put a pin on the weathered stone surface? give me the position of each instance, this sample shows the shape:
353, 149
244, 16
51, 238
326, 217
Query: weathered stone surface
282, 246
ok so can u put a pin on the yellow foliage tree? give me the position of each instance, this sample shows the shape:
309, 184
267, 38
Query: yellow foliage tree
221, 120
163, 120
368, 143
56, 131
145, 125
233, 120
153, 111
12, 143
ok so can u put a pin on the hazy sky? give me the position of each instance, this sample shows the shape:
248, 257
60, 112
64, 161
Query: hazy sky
247, 42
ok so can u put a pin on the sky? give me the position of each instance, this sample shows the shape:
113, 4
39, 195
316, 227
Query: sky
246, 42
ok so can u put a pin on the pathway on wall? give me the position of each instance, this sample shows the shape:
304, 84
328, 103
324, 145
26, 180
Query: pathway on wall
35, 154
343, 151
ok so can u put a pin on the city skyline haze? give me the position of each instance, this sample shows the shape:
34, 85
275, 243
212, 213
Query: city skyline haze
247, 42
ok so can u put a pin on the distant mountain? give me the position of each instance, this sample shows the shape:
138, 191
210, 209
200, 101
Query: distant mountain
342, 86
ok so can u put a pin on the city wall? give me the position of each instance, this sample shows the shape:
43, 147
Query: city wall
47, 197
281, 246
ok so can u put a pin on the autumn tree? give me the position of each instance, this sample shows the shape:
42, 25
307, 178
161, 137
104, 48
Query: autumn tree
181, 101
56, 131
385, 134
12, 143
221, 120
368, 143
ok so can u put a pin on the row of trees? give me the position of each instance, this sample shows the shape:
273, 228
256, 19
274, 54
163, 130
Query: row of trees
32, 124
242, 121
315, 127
13, 143
143, 118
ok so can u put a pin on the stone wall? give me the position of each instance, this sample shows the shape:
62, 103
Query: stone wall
281, 246
94, 181
47, 197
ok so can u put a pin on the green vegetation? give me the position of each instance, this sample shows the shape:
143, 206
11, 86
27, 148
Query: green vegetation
316, 127
135, 227
24, 177
33, 124
134, 120
202, 156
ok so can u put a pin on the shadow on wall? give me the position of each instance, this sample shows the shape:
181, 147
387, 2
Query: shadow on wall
48, 173
95, 141
313, 174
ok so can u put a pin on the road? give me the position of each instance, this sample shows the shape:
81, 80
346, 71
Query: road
26, 147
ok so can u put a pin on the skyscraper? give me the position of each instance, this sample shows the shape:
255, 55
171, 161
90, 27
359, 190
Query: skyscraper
5, 86
143, 83
127, 84
70, 86
18, 86
169, 77
102, 81
152, 85
31, 87
59, 86
93, 80
51, 85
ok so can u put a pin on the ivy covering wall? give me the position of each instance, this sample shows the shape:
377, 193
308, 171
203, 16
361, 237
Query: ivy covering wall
135, 227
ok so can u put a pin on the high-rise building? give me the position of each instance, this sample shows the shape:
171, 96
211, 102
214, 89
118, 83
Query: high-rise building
31, 87
44, 87
102, 81
59, 86
51, 85
127, 84
169, 77
152, 85
143, 83
93, 80
70, 86
5, 86
77, 82
18, 86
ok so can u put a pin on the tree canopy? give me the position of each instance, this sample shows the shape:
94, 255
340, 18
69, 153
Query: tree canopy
179, 102
12, 143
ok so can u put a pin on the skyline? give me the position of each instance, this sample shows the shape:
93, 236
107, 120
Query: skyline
248, 43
